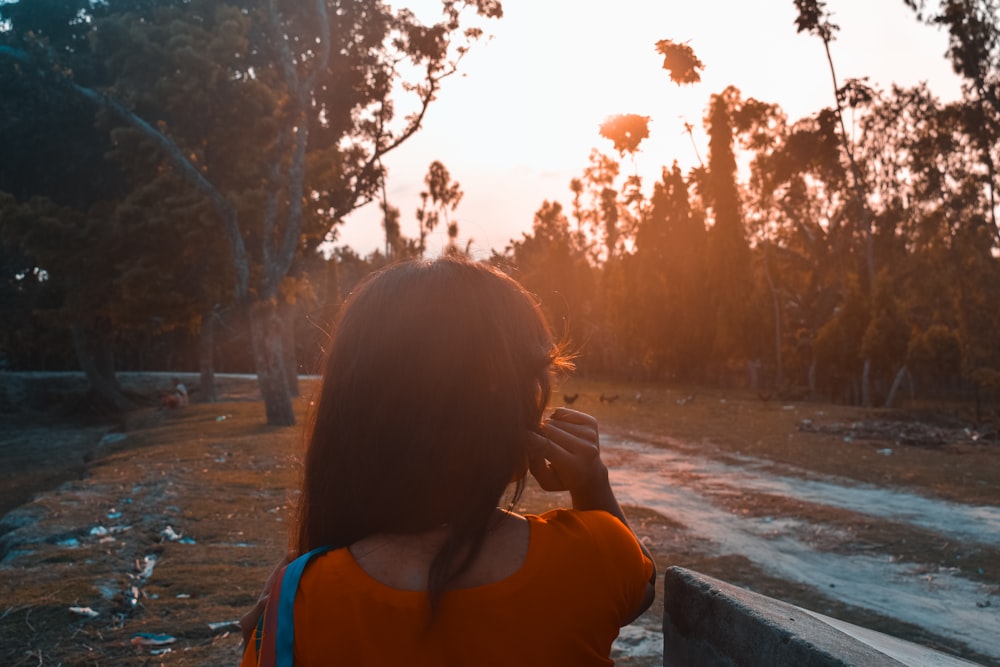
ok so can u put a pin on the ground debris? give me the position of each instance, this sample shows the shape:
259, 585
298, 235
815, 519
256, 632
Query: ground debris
84, 611
902, 432
164, 475
151, 639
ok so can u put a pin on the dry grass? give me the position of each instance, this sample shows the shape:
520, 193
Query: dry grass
739, 422
735, 423
228, 485
225, 484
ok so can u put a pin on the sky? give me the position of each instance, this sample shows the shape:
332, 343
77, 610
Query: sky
521, 120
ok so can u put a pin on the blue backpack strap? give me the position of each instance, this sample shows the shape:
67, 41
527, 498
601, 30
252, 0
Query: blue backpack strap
285, 639
258, 635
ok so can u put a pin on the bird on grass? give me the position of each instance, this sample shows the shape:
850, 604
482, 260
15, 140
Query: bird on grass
570, 400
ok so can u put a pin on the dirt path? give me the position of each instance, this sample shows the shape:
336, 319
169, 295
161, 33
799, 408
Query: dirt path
923, 562
875, 552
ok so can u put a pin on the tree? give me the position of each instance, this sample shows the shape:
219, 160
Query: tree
887, 336
551, 262
626, 131
58, 182
672, 321
935, 354
442, 195
601, 215
974, 49
680, 61
814, 19
309, 83
27, 340
728, 254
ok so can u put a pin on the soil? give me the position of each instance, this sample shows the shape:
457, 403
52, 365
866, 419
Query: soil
144, 541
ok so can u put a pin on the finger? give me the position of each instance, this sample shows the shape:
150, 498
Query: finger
565, 451
571, 444
542, 449
573, 417
546, 477
584, 431
545, 474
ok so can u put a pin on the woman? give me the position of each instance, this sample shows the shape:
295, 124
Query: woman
431, 409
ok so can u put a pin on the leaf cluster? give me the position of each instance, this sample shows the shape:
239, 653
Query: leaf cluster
680, 61
626, 131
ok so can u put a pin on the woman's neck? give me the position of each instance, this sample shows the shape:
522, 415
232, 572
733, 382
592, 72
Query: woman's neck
404, 561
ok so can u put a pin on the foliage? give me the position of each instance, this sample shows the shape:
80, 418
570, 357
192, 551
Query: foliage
275, 114
442, 195
817, 255
551, 262
626, 131
680, 61
936, 353
814, 18
727, 253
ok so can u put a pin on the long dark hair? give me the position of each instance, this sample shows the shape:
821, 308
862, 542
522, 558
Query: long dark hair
436, 372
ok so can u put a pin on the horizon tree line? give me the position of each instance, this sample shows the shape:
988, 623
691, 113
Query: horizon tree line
181, 220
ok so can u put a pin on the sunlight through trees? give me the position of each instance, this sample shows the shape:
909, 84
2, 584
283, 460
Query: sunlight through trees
174, 175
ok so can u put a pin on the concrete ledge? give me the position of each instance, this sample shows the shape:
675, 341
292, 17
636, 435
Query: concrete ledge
709, 623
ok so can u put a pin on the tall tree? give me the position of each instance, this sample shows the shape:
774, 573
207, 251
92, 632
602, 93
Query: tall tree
974, 49
673, 325
441, 196
627, 132
551, 262
59, 182
815, 19
601, 213
310, 84
729, 277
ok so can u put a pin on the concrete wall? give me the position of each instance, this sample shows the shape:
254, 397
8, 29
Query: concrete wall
709, 623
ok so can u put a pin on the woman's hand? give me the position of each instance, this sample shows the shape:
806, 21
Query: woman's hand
565, 455
250, 619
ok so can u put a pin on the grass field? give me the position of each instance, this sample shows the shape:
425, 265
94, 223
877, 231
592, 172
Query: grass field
171, 530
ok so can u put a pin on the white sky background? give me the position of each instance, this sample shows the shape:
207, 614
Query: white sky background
522, 120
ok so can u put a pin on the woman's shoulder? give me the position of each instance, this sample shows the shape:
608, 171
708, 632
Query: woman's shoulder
593, 546
590, 521
575, 528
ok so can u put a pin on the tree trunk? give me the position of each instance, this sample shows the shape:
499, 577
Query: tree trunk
97, 363
286, 314
206, 357
866, 382
265, 335
896, 384
776, 302
753, 371
979, 403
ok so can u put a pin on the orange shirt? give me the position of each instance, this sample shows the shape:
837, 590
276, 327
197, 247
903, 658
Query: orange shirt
583, 575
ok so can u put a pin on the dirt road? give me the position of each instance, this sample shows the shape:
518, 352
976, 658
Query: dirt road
875, 550
881, 555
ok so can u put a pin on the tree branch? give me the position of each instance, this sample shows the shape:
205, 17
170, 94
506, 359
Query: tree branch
173, 153
281, 41
859, 189
323, 61
301, 91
